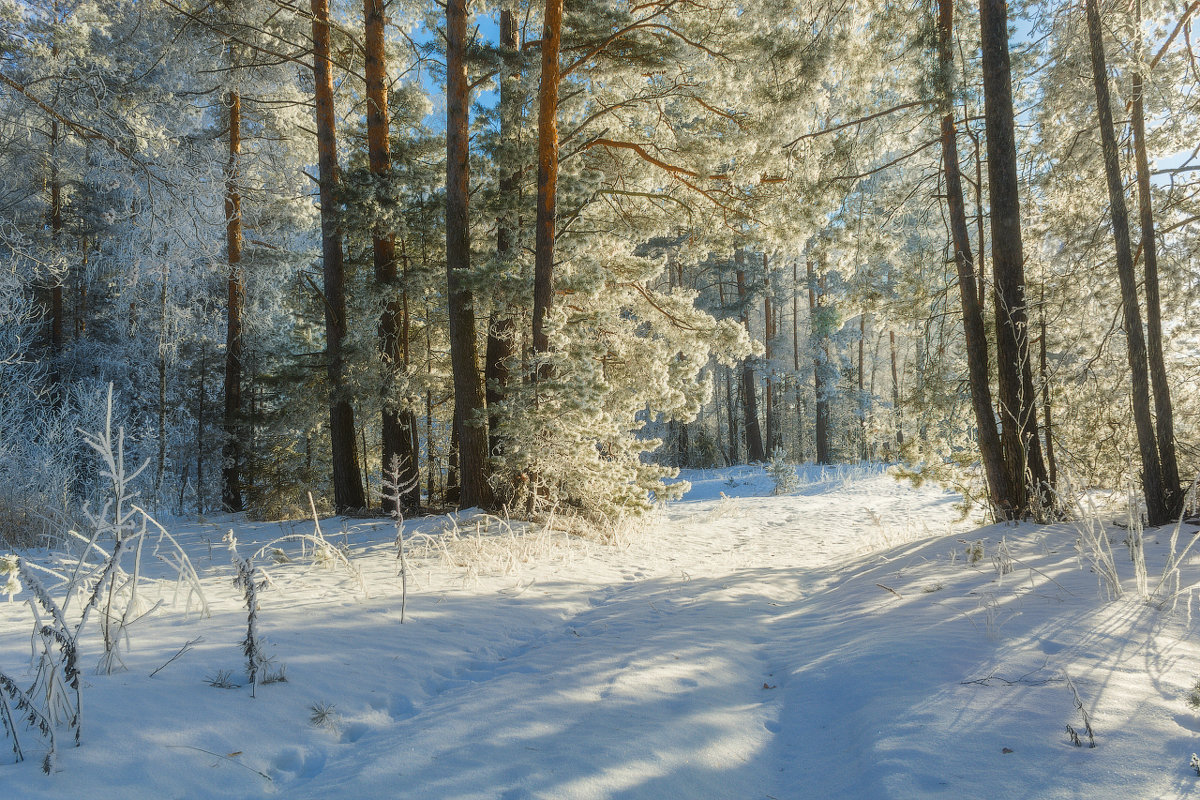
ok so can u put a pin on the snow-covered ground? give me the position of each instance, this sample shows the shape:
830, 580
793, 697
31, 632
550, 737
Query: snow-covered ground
833, 643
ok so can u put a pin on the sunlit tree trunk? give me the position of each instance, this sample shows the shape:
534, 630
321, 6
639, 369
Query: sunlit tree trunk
1164, 414
547, 177
1152, 482
1024, 467
398, 425
470, 420
347, 483
973, 327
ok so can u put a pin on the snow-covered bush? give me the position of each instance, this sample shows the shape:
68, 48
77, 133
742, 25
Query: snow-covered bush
105, 577
781, 473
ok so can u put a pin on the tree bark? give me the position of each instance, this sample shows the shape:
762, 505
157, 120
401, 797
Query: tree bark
347, 483
1164, 414
547, 179
501, 340
56, 224
231, 457
820, 357
895, 390
754, 441
1025, 469
973, 328
1152, 483
398, 425
470, 409
1048, 426
769, 414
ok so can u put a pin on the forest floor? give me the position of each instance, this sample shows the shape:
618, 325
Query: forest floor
847, 640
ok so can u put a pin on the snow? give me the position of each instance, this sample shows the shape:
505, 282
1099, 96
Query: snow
834, 642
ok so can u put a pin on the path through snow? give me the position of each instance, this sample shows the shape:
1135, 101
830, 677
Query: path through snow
741, 646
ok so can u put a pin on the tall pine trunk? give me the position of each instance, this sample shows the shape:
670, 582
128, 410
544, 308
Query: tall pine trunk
547, 176
231, 457
398, 425
1152, 482
347, 483
1164, 414
470, 409
501, 340
1025, 471
976, 335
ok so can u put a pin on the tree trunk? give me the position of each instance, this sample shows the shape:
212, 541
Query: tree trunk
470, 408
231, 457
1025, 469
754, 441
501, 340
1164, 414
1048, 428
547, 178
56, 224
397, 424
768, 336
1152, 483
347, 484
820, 357
895, 390
862, 411
200, 435
973, 328
734, 454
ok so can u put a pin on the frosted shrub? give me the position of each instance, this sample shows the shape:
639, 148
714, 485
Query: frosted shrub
324, 553
105, 577
782, 474
8, 574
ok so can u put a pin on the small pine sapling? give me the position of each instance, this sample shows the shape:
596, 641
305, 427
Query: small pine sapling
394, 491
250, 579
323, 715
1195, 763
782, 473
1193, 698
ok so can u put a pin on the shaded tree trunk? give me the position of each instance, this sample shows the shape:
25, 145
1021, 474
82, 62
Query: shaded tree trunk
1024, 467
501, 340
1152, 483
56, 224
231, 457
347, 483
731, 409
769, 414
754, 441
895, 390
820, 358
1048, 428
470, 409
976, 335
